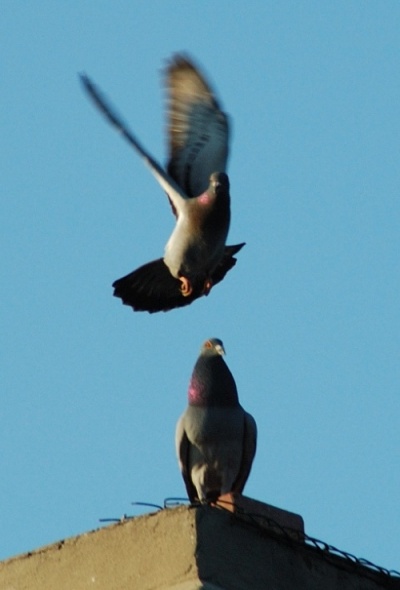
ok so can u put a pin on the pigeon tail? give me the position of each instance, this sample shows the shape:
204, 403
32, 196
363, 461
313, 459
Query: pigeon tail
152, 288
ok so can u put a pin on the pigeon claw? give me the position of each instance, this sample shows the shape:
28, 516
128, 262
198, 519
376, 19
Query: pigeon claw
207, 286
186, 286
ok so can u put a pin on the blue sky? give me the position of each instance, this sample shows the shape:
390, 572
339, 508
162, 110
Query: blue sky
309, 316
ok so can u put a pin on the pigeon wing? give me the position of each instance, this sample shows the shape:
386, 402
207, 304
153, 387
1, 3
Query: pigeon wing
175, 194
249, 450
182, 450
198, 129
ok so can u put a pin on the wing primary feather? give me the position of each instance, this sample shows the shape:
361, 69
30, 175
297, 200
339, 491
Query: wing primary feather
249, 451
182, 448
166, 181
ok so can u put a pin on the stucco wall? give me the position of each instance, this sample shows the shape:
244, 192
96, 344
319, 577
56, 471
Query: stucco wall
183, 549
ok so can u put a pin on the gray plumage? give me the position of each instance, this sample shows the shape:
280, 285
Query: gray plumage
196, 256
215, 438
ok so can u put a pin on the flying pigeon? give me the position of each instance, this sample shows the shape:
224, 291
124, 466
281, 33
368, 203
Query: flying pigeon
196, 256
215, 438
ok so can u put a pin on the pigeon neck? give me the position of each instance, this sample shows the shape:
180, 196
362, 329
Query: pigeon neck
212, 384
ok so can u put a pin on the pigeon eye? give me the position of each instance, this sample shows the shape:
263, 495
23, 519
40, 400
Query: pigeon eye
208, 344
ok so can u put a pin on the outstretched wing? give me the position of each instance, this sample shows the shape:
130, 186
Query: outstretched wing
152, 288
175, 194
198, 129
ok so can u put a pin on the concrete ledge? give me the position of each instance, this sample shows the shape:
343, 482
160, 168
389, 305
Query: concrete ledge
139, 553
278, 520
187, 548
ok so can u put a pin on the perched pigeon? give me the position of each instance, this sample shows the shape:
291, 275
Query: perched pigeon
195, 257
215, 438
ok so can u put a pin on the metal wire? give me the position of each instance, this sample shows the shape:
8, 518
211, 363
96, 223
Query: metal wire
324, 549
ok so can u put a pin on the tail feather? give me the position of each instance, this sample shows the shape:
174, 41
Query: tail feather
152, 288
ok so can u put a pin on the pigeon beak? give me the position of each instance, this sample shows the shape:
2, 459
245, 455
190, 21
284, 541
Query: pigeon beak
220, 349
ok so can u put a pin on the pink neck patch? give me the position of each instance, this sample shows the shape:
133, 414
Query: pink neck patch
204, 199
194, 391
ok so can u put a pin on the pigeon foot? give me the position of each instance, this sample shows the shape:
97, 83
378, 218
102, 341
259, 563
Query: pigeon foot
186, 287
207, 286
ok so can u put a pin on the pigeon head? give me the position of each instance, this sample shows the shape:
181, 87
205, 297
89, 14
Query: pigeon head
215, 202
212, 383
212, 347
219, 182
218, 190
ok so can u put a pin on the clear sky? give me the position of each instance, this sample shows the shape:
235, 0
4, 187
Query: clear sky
91, 392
